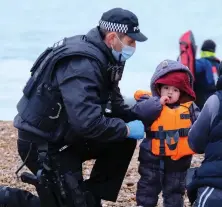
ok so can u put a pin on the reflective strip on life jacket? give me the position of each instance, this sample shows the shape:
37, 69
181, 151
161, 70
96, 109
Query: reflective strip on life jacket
169, 133
182, 133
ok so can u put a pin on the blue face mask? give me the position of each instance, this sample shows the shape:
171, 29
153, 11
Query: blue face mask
126, 53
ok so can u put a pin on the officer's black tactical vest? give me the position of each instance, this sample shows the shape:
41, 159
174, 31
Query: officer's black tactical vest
41, 105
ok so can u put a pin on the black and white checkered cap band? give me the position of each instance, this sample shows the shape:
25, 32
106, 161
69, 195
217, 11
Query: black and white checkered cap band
116, 27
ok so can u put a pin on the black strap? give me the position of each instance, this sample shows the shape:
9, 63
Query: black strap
162, 137
42, 150
165, 135
183, 132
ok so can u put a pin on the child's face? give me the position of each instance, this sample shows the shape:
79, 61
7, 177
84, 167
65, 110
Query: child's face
172, 92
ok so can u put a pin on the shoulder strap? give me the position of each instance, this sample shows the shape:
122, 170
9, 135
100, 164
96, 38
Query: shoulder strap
78, 46
44, 66
187, 104
191, 109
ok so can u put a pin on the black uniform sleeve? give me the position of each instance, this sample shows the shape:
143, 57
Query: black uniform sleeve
119, 108
80, 82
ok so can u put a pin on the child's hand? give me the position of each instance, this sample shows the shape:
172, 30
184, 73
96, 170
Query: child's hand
164, 100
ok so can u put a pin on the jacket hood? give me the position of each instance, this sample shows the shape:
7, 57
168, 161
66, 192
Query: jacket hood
165, 67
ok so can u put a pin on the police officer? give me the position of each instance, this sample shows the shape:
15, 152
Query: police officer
65, 99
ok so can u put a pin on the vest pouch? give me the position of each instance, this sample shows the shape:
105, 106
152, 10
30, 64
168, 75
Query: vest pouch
29, 87
44, 109
36, 71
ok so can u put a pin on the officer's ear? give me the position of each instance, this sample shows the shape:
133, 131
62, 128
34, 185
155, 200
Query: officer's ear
110, 39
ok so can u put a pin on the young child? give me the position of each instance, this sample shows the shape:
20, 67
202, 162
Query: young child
164, 154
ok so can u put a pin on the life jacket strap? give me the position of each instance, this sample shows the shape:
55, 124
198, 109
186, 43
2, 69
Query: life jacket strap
183, 132
162, 137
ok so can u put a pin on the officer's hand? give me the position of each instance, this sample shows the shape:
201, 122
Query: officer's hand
135, 129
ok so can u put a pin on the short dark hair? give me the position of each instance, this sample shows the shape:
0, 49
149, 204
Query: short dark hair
104, 32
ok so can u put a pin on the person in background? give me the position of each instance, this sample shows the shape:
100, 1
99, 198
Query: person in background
206, 73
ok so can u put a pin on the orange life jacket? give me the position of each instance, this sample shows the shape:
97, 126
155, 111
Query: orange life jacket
169, 132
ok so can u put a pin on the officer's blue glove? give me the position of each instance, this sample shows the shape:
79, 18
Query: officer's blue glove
135, 129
